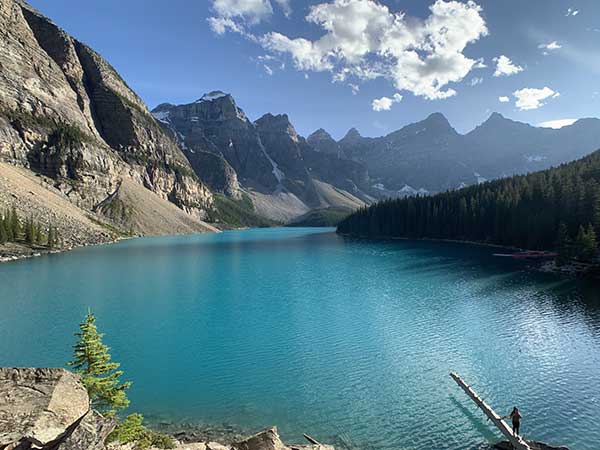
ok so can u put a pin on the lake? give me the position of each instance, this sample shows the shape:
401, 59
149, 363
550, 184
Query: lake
321, 334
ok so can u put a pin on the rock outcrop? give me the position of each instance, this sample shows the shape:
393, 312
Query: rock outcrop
322, 141
48, 409
269, 440
215, 124
67, 115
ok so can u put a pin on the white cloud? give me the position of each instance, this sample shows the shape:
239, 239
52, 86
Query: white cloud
220, 25
365, 40
355, 88
385, 103
572, 12
475, 81
252, 11
503, 99
480, 64
505, 67
268, 70
550, 46
558, 123
531, 98
234, 15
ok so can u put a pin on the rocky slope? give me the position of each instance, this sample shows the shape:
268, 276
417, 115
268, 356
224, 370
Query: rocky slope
67, 116
49, 409
283, 174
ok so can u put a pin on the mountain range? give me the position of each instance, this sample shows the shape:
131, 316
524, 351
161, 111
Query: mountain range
79, 147
286, 174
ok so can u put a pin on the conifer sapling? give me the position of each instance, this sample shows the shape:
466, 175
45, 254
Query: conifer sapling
99, 374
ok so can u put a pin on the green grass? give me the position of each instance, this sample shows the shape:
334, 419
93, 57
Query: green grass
325, 217
236, 213
114, 230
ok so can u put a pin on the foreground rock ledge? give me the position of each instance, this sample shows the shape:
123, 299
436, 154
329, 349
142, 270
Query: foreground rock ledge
49, 409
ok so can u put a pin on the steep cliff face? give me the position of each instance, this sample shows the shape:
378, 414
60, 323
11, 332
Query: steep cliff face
215, 124
284, 175
322, 141
66, 114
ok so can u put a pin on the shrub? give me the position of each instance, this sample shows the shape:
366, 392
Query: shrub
132, 430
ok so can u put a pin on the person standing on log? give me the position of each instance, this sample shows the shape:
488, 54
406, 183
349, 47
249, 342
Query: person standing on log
515, 416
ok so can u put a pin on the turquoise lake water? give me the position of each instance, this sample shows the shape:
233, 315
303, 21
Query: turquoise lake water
321, 334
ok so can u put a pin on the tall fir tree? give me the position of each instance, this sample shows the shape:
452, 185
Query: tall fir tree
563, 244
38, 235
99, 374
3, 232
51, 237
29, 231
15, 224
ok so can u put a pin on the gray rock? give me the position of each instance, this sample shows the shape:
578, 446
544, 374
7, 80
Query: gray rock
87, 434
269, 440
38, 406
65, 113
265, 440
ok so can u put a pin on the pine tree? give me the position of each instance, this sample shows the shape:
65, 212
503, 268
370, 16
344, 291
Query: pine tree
7, 226
15, 225
29, 231
38, 234
563, 244
99, 374
585, 243
51, 237
3, 232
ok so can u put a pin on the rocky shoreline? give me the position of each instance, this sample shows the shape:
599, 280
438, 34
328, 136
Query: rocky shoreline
49, 409
11, 251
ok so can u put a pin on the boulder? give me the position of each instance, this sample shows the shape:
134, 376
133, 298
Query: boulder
48, 409
269, 440
87, 434
216, 446
265, 440
39, 405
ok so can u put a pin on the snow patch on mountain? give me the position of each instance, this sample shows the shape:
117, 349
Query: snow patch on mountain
214, 95
162, 116
479, 178
534, 158
277, 172
409, 191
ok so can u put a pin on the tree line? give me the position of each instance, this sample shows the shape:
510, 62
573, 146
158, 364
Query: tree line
555, 209
28, 231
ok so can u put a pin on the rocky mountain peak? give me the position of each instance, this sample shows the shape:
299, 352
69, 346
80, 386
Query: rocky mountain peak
213, 106
322, 141
212, 95
352, 134
320, 134
497, 123
437, 121
163, 107
277, 124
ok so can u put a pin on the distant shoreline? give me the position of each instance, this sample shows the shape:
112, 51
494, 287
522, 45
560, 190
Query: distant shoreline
452, 241
572, 269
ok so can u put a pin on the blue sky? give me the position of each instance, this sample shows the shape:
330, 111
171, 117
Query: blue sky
393, 63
